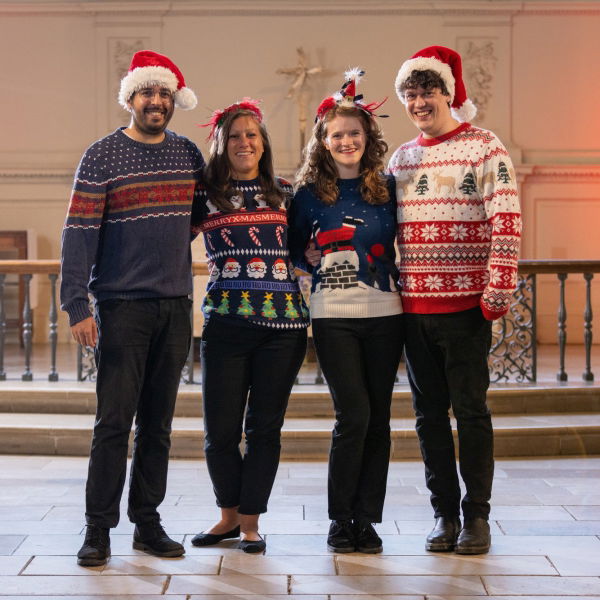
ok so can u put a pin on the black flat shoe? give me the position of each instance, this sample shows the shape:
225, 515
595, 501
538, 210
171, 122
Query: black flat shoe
209, 539
252, 546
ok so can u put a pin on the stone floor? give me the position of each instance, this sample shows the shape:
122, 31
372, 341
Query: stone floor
545, 523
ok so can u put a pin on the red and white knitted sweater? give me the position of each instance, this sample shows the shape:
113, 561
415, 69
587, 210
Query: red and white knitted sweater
459, 223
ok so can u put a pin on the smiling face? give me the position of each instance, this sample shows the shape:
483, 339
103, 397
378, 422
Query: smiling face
345, 140
244, 148
429, 110
151, 110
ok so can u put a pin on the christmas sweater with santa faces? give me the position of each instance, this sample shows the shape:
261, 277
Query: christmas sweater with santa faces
251, 279
459, 223
357, 276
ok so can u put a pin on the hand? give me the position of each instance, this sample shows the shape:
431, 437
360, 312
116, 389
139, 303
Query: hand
85, 332
312, 254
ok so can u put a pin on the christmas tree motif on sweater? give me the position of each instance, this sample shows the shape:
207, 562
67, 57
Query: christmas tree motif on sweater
290, 310
422, 185
245, 308
268, 310
339, 261
224, 305
503, 174
468, 186
208, 304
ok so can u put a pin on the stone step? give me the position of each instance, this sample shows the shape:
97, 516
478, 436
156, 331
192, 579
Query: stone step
308, 439
307, 401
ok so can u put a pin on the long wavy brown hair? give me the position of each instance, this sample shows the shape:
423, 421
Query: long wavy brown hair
318, 166
217, 172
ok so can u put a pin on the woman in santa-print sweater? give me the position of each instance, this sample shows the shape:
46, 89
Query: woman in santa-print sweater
254, 338
346, 207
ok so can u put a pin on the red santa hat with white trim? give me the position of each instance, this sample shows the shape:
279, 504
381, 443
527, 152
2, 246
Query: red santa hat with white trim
448, 65
151, 68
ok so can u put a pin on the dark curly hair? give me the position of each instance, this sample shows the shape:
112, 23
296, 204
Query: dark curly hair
217, 172
426, 79
318, 166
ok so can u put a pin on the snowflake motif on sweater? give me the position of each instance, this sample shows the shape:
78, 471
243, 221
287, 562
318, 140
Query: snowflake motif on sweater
459, 222
251, 279
127, 232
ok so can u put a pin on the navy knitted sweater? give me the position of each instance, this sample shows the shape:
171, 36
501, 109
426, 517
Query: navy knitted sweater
251, 278
357, 276
127, 232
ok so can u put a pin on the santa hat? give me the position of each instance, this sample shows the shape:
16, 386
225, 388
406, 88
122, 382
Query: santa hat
448, 65
347, 96
150, 68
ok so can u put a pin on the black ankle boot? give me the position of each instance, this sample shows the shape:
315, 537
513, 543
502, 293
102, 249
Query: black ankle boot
366, 537
341, 537
152, 538
474, 537
443, 535
96, 547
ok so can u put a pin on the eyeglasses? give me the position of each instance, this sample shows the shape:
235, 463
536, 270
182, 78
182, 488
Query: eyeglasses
149, 93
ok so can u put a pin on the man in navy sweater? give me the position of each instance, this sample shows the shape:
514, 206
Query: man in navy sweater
126, 241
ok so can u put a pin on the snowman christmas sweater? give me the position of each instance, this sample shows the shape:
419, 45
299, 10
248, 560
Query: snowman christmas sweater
251, 279
127, 232
459, 223
357, 276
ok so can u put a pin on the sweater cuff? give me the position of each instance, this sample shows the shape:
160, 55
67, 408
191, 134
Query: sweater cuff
492, 315
78, 311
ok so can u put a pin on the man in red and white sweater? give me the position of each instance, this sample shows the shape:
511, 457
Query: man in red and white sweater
458, 235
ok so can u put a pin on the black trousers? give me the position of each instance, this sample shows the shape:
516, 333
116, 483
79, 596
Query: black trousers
447, 366
142, 347
359, 358
247, 369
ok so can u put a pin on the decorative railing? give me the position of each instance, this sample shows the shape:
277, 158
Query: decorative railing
514, 349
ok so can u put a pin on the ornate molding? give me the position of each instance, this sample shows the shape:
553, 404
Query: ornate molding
562, 173
242, 8
36, 176
120, 50
479, 68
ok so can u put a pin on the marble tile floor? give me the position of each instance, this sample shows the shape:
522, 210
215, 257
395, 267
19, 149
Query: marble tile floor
545, 523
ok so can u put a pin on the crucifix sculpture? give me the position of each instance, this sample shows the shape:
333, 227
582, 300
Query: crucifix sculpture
298, 90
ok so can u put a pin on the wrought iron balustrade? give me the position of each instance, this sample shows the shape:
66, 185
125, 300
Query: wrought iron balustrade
513, 355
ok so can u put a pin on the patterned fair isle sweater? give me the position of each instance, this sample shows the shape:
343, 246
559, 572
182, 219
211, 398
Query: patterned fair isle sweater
127, 233
251, 279
357, 276
459, 223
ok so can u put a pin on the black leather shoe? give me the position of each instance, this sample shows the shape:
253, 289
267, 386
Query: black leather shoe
152, 538
341, 537
366, 537
208, 539
443, 535
96, 547
252, 546
474, 537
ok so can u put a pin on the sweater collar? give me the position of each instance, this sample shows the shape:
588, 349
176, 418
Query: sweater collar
423, 141
120, 131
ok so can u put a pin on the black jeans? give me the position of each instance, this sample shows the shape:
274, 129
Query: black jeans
142, 347
447, 367
252, 369
359, 358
